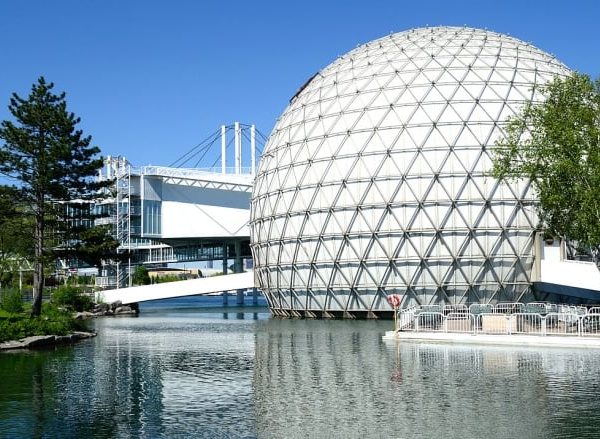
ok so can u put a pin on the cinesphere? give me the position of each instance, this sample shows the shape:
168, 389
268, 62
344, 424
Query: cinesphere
376, 178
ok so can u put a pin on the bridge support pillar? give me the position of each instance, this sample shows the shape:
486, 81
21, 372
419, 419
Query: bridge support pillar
237, 264
254, 296
225, 297
224, 258
238, 268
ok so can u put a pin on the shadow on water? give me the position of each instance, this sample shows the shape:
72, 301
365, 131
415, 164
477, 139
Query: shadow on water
205, 370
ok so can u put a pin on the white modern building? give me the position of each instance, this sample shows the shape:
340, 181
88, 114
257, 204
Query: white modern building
177, 214
376, 178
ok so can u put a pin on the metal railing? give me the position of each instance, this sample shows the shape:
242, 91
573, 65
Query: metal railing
406, 317
106, 281
539, 319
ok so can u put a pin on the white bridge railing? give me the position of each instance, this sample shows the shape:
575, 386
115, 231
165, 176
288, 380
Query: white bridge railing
505, 318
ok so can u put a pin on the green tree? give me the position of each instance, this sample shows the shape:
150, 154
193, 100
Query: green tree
556, 145
16, 242
97, 244
50, 160
141, 276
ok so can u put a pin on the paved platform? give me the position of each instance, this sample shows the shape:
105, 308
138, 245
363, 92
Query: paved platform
495, 339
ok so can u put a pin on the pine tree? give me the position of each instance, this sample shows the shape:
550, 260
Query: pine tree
16, 240
97, 244
51, 162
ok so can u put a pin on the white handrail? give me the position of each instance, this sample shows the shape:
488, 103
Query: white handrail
507, 319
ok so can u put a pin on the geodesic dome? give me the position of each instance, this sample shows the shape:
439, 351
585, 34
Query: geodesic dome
375, 179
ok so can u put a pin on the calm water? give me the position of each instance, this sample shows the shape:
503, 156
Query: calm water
199, 370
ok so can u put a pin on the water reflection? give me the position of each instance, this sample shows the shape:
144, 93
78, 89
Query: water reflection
241, 315
194, 373
27, 393
148, 377
317, 378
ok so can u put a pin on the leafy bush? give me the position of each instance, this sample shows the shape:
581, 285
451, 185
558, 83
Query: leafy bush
168, 278
141, 276
51, 322
80, 280
7, 278
72, 297
11, 301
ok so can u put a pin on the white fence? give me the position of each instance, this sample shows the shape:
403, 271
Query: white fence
505, 318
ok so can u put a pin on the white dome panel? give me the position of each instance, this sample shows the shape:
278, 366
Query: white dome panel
375, 179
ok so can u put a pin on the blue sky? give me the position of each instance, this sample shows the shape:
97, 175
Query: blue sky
151, 79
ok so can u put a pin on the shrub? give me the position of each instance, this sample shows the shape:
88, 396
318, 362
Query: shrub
7, 278
168, 278
80, 280
11, 301
72, 297
141, 276
51, 322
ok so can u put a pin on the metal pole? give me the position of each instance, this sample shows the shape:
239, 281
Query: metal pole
142, 198
238, 148
223, 149
225, 293
253, 149
118, 220
129, 225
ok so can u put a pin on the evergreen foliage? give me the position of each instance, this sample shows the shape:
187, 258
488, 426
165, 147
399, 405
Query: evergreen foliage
97, 244
11, 301
556, 145
72, 297
51, 162
16, 237
141, 276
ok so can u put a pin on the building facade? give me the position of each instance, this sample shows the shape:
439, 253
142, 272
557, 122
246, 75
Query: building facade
180, 214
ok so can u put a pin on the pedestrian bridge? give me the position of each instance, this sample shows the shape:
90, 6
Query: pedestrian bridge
555, 274
170, 290
552, 274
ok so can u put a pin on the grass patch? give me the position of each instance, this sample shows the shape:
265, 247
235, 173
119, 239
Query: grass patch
52, 321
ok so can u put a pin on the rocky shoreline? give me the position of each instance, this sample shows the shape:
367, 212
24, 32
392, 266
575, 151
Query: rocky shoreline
115, 309
44, 341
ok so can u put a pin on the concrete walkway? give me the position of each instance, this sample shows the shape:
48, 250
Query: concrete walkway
169, 290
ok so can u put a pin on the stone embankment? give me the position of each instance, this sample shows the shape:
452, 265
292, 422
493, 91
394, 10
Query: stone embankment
116, 309
43, 341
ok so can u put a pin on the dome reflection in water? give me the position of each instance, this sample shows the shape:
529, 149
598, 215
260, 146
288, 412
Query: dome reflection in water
331, 379
191, 372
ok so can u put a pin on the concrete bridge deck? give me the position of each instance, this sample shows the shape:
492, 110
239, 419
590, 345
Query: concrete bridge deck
169, 290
